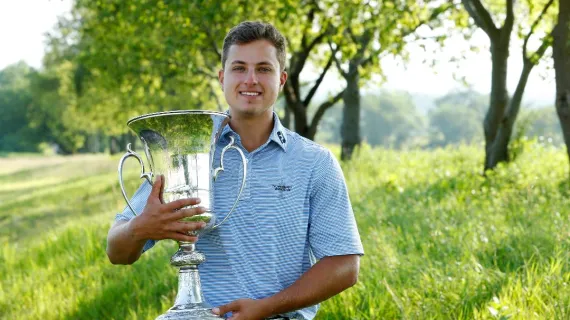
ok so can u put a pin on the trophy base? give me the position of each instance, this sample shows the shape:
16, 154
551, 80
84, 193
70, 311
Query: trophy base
195, 313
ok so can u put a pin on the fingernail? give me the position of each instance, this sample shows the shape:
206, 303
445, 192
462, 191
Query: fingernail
202, 224
216, 310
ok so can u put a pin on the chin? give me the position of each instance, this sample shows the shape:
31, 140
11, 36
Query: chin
250, 111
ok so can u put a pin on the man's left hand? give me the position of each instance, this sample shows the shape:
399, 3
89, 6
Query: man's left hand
243, 309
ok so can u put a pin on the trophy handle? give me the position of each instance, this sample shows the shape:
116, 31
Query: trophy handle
231, 145
147, 176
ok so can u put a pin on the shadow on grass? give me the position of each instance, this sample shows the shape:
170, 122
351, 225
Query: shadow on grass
564, 187
45, 189
515, 251
27, 173
478, 297
34, 217
134, 292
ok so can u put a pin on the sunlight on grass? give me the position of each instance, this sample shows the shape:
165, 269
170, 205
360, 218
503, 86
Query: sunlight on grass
441, 241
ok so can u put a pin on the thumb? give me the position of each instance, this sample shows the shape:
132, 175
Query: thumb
230, 307
156, 187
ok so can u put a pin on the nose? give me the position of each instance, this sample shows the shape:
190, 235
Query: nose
251, 78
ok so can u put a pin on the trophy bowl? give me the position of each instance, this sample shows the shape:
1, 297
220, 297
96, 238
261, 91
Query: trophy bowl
180, 145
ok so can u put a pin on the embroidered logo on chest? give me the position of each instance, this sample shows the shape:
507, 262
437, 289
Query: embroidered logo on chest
281, 187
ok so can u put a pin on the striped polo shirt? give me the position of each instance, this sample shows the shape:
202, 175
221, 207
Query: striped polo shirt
293, 211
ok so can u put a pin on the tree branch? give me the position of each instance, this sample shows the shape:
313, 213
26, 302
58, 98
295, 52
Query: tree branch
510, 20
292, 100
535, 57
337, 63
302, 56
321, 111
311, 16
534, 24
213, 44
481, 16
351, 34
313, 90
215, 96
208, 75
434, 14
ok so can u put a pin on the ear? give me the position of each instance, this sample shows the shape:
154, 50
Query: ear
282, 79
221, 77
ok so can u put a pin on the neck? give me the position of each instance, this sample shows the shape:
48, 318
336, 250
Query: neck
253, 131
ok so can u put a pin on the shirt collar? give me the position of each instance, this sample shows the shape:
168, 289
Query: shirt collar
278, 134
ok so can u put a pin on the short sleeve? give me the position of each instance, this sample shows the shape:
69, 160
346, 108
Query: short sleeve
332, 226
138, 201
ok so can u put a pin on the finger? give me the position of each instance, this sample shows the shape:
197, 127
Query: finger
230, 307
182, 237
181, 203
190, 212
156, 187
185, 227
161, 194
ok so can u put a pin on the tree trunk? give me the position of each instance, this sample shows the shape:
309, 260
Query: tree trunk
561, 54
286, 121
301, 121
499, 96
500, 150
93, 143
114, 146
350, 128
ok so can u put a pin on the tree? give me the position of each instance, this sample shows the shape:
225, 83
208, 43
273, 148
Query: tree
561, 52
52, 109
543, 123
15, 99
142, 57
503, 110
391, 120
383, 29
456, 118
310, 43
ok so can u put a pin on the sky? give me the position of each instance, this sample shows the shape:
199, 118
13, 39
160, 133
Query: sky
23, 24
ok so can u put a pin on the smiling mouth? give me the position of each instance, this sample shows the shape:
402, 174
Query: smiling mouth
250, 93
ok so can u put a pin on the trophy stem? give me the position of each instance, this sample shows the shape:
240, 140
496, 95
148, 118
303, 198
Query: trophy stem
189, 303
189, 287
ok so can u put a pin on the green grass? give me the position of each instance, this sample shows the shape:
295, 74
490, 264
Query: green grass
441, 241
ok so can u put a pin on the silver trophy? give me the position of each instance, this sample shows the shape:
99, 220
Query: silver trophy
180, 145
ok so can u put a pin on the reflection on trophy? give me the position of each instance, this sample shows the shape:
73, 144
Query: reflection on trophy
180, 145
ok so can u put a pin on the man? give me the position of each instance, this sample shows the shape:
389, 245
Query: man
294, 209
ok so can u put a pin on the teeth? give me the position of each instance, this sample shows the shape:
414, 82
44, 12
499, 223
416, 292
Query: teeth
250, 93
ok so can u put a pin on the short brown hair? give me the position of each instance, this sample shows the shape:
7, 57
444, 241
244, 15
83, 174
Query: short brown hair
249, 31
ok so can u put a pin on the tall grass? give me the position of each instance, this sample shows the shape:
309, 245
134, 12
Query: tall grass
441, 241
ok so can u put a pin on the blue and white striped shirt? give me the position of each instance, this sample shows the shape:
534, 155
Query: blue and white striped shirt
293, 211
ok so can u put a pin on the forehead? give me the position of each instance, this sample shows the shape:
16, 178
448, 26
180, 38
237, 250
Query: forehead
253, 52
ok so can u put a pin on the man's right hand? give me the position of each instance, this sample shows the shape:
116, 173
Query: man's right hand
162, 220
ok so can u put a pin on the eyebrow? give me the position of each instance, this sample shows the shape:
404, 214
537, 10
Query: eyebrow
262, 63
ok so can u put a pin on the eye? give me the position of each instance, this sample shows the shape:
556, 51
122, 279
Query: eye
238, 68
264, 69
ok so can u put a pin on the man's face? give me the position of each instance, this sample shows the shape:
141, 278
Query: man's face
252, 78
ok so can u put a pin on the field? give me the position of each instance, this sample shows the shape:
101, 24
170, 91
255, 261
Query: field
441, 241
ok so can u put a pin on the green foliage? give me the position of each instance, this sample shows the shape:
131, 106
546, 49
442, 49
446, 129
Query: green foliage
457, 118
52, 110
441, 241
392, 120
389, 119
140, 57
544, 124
16, 134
